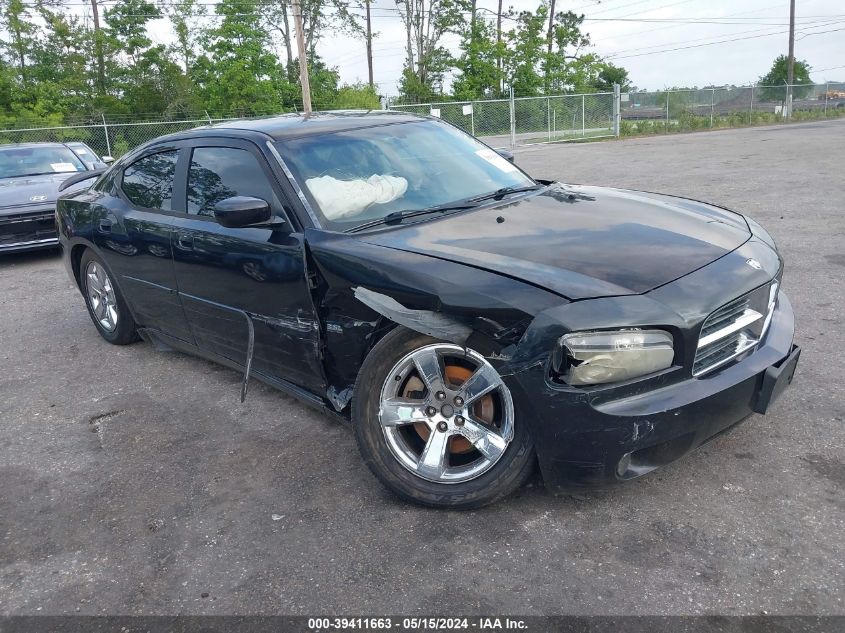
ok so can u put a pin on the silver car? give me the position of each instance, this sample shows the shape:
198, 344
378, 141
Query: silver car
30, 176
88, 155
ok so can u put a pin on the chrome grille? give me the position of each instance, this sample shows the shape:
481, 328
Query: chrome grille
728, 313
734, 328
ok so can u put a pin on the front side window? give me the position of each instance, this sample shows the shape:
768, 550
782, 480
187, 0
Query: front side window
218, 173
148, 182
356, 176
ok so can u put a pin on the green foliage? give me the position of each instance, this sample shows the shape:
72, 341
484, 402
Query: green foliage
480, 75
777, 76
426, 59
49, 71
529, 60
525, 53
355, 97
608, 75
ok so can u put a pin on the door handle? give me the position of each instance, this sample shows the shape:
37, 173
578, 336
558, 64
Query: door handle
185, 241
105, 225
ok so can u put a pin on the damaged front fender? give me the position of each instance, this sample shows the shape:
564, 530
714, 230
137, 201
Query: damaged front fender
425, 321
361, 291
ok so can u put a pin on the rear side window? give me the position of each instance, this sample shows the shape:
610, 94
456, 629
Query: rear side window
218, 173
148, 182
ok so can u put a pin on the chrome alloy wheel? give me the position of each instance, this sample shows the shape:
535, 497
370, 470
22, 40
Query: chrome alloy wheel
101, 296
446, 414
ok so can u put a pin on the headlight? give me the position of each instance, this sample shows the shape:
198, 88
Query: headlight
592, 358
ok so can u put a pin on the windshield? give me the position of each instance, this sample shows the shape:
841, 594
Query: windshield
83, 151
357, 176
16, 162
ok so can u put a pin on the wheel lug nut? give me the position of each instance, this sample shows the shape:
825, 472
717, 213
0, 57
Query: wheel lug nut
430, 411
442, 426
459, 420
440, 395
459, 401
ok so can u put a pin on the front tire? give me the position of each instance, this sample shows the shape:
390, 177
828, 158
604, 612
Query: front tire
436, 424
105, 302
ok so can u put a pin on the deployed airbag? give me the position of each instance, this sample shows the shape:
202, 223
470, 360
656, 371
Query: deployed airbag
339, 199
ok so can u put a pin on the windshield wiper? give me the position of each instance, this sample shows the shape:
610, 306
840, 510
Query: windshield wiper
504, 191
397, 217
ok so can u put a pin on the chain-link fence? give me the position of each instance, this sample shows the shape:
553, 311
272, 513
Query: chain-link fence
710, 108
106, 139
527, 120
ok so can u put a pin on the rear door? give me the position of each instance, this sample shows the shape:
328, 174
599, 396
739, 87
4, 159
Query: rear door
227, 277
134, 238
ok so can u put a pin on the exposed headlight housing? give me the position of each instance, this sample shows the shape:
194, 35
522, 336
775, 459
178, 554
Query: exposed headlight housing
594, 358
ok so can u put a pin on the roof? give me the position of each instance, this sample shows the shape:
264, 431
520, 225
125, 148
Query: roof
6, 145
295, 125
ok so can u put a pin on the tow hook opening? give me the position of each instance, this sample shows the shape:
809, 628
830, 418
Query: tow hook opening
638, 463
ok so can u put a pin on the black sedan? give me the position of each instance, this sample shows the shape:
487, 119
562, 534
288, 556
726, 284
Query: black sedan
30, 177
468, 320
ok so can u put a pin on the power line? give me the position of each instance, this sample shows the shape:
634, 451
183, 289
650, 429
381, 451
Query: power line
735, 39
710, 37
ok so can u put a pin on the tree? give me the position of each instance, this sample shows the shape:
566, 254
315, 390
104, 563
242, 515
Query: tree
186, 16
17, 22
565, 66
318, 17
60, 60
525, 52
239, 73
426, 59
549, 54
776, 78
609, 75
480, 73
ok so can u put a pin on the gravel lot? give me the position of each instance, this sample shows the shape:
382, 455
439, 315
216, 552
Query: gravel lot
134, 482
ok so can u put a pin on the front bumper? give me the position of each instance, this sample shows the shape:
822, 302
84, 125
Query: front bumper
585, 440
28, 229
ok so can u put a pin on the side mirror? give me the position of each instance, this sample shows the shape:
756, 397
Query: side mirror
108, 160
506, 154
241, 211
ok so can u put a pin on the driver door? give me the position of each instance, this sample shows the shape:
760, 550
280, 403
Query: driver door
227, 276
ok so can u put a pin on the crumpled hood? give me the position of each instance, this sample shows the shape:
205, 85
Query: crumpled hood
15, 192
580, 242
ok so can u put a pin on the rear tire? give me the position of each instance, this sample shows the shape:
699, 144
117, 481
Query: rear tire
403, 421
106, 305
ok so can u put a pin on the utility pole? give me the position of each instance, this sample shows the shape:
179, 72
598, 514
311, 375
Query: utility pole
550, 38
499, 44
369, 44
303, 60
98, 48
790, 64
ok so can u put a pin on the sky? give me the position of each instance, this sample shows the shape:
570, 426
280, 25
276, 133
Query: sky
731, 42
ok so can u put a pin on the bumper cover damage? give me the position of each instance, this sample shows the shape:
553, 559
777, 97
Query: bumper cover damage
589, 437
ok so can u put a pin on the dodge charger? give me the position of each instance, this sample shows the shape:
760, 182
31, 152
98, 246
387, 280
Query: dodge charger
469, 321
